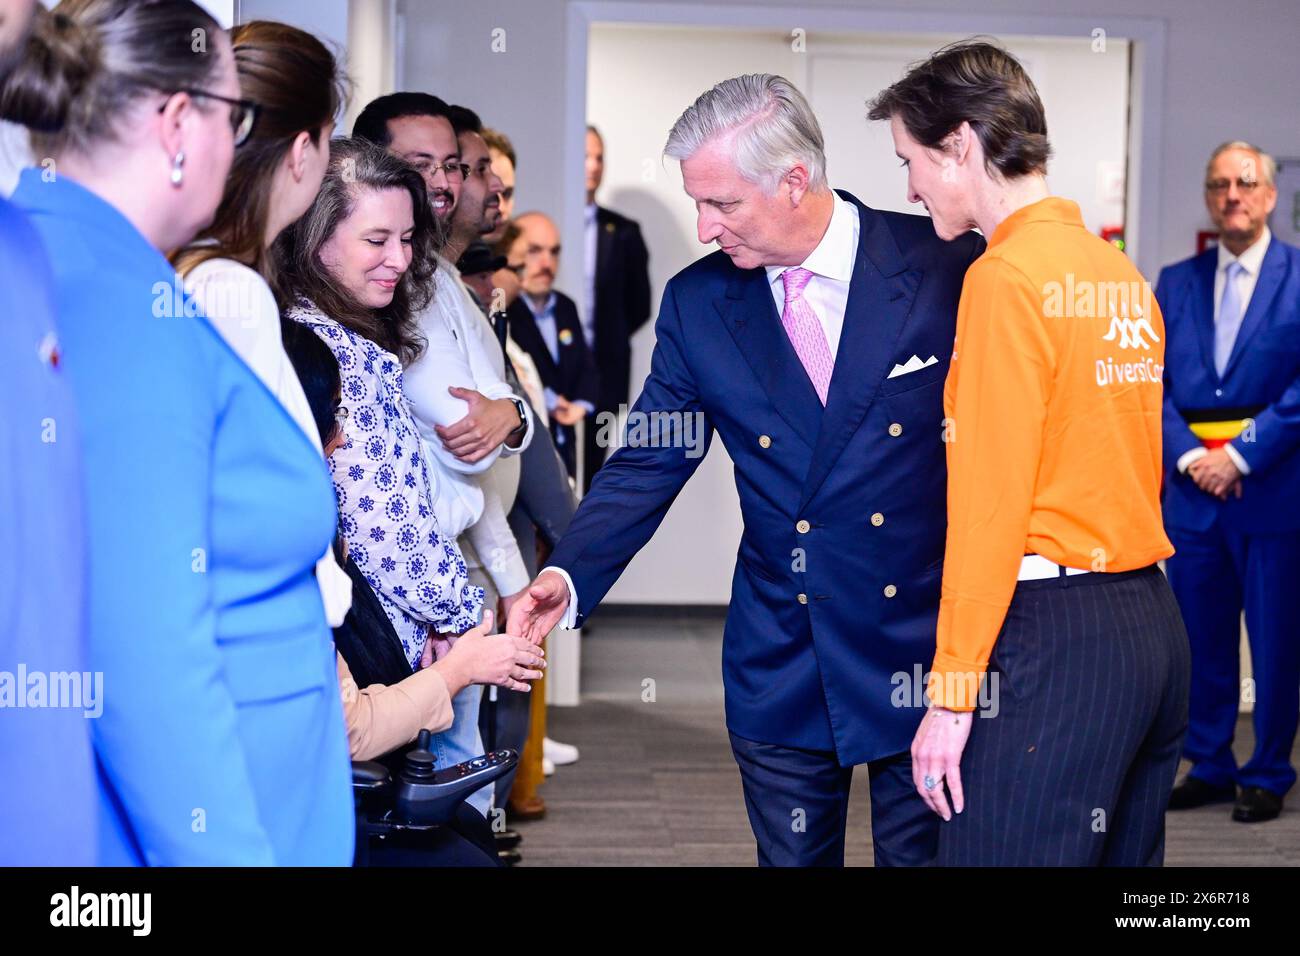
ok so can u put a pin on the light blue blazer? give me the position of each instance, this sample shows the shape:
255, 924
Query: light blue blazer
222, 737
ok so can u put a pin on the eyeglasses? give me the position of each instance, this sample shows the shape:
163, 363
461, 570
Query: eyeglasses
1218, 186
455, 172
243, 113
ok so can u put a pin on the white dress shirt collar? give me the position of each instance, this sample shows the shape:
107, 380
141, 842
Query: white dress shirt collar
1251, 259
835, 254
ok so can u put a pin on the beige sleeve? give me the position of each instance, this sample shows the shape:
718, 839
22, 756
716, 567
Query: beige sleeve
381, 718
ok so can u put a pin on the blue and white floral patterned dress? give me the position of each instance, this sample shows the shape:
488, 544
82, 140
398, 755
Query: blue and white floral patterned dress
385, 495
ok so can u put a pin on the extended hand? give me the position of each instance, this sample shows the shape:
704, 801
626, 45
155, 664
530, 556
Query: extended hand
486, 425
539, 609
936, 754
502, 659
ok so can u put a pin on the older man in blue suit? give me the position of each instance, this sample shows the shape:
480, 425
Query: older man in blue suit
815, 343
1232, 449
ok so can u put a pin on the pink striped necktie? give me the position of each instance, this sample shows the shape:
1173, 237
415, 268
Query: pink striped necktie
806, 332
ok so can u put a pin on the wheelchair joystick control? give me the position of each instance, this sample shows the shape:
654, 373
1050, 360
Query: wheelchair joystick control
426, 795
420, 760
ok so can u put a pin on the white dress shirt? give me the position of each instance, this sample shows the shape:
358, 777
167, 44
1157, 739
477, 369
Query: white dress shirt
470, 500
827, 293
1251, 259
240, 305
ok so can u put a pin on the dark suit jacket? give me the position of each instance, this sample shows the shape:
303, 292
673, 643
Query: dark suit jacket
1261, 381
622, 301
574, 375
816, 643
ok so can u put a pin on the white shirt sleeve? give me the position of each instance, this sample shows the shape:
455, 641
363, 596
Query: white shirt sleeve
457, 497
1237, 459
571, 612
495, 543
1186, 458
486, 362
425, 382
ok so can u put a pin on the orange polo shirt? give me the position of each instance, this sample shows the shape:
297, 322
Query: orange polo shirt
1052, 407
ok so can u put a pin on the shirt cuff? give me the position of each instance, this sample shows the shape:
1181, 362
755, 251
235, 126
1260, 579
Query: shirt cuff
954, 684
570, 619
1237, 459
1186, 458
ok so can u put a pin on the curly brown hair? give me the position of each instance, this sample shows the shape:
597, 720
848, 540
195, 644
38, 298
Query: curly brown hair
357, 165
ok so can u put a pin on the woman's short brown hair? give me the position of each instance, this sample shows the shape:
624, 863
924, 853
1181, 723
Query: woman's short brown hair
979, 83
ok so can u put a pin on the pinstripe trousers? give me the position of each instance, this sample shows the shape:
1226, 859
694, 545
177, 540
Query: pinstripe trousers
1073, 761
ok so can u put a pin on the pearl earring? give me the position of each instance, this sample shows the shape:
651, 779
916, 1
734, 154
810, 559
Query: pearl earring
177, 173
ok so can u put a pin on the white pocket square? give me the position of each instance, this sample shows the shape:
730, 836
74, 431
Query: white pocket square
914, 364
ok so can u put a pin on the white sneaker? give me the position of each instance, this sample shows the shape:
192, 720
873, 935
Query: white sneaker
558, 753
548, 767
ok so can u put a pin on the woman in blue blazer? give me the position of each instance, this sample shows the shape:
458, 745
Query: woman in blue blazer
221, 739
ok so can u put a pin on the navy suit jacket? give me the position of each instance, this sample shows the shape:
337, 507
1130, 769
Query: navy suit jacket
822, 673
1263, 372
574, 376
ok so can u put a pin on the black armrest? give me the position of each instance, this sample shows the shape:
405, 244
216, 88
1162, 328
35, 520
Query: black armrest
369, 775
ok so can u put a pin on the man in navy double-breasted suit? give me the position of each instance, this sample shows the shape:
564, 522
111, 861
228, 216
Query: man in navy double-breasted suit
815, 344
1232, 451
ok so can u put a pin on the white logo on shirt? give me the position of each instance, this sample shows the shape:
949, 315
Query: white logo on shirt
1130, 331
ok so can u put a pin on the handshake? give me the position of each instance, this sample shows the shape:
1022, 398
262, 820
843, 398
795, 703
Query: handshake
511, 659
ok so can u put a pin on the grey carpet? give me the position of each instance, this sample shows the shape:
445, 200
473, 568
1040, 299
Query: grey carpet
656, 784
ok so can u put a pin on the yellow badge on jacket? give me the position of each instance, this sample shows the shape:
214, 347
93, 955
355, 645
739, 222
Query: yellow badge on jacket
566, 336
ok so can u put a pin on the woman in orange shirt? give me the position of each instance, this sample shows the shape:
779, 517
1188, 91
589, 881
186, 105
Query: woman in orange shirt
1054, 621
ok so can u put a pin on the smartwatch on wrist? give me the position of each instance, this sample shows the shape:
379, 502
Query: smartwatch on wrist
523, 415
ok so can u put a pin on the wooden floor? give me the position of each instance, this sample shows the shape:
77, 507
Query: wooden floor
656, 784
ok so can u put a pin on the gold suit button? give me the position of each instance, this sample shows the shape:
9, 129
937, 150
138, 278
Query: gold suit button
802, 598
895, 429
765, 441
890, 590
803, 526
877, 519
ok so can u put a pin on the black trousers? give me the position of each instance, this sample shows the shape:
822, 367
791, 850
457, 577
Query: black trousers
1074, 760
798, 803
